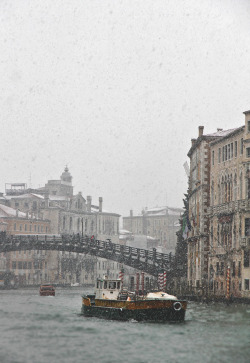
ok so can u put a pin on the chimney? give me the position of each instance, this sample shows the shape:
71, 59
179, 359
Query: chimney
219, 130
100, 204
89, 199
131, 213
201, 128
193, 141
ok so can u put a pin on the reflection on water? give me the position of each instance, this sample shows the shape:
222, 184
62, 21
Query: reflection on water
51, 329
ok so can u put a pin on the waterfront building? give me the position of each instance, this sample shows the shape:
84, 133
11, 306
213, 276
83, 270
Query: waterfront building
229, 213
160, 223
29, 267
199, 188
219, 212
68, 214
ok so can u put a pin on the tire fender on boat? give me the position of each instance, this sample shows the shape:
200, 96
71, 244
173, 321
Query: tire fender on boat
177, 306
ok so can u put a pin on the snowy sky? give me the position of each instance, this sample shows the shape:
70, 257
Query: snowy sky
116, 90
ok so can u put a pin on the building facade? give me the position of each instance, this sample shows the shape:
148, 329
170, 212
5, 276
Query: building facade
219, 189
159, 223
68, 214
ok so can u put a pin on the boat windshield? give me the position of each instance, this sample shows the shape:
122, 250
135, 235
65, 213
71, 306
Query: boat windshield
112, 285
99, 284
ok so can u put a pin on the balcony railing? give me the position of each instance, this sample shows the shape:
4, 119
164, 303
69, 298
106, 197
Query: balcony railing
230, 207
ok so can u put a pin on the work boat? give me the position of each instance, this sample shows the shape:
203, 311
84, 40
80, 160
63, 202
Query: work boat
110, 301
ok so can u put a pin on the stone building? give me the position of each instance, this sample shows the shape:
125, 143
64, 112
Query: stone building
160, 223
199, 201
68, 214
229, 212
29, 267
219, 242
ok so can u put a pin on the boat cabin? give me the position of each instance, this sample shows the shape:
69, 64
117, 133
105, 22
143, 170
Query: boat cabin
108, 288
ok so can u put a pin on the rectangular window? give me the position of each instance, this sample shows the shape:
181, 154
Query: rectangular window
20, 265
246, 258
228, 151
235, 148
219, 155
232, 150
222, 268
246, 284
233, 272
247, 226
14, 226
217, 267
25, 265
25, 227
13, 265
241, 146
248, 126
239, 269
248, 152
212, 157
30, 227
35, 227
29, 265
225, 153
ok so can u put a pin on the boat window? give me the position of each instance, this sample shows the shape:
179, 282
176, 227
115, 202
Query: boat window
112, 285
105, 284
118, 285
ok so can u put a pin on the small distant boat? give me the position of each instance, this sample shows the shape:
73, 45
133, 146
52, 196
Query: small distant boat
110, 301
47, 290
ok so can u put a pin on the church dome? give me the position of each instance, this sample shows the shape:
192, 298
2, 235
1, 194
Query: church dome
66, 176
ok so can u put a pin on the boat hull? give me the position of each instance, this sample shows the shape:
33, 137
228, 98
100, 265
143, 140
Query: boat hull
47, 293
140, 310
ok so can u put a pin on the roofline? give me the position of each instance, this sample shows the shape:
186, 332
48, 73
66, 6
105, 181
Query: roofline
199, 140
238, 130
246, 112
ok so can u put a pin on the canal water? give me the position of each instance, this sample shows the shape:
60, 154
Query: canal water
50, 329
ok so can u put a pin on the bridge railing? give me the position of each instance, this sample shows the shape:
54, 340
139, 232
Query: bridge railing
147, 260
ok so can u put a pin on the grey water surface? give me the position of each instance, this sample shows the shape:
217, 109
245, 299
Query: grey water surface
50, 329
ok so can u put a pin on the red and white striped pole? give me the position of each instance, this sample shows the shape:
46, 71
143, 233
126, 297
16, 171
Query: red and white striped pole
121, 276
142, 282
160, 281
137, 283
164, 280
228, 283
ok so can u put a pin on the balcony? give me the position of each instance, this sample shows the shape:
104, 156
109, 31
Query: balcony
230, 207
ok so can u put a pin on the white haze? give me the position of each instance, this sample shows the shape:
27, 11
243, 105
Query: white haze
116, 90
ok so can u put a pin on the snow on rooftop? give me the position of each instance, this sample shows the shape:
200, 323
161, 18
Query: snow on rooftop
10, 212
223, 133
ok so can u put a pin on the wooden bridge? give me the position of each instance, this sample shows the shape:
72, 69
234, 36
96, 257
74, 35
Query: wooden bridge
149, 261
